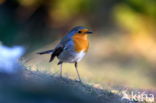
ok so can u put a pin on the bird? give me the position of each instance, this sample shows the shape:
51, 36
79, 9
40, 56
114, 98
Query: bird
71, 48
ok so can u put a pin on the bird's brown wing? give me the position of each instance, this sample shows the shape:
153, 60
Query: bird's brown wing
56, 52
59, 48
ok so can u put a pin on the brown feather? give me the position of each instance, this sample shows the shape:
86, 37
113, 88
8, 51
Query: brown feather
56, 52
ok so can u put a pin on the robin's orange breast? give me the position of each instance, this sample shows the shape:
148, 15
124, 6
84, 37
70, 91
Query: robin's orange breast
81, 42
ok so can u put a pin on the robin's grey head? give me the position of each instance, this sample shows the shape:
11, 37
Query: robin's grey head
79, 30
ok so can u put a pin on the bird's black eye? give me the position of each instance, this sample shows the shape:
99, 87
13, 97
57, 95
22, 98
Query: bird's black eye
79, 31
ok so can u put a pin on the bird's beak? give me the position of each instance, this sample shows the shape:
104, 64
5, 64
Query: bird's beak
89, 32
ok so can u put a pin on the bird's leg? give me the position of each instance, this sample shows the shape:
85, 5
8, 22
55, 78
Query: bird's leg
61, 70
60, 63
76, 67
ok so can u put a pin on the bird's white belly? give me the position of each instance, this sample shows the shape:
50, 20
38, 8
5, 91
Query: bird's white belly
79, 55
72, 56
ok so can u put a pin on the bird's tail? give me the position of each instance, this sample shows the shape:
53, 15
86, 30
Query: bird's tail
46, 52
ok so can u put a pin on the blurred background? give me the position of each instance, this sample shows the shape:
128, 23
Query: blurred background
122, 49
